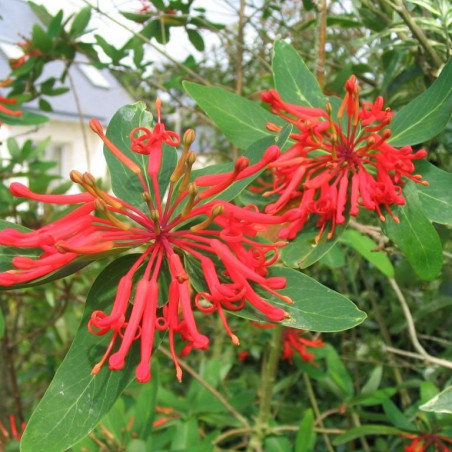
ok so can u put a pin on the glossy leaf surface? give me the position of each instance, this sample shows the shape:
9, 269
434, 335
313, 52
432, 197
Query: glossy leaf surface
426, 115
441, 403
436, 197
315, 307
294, 82
416, 236
76, 400
125, 183
241, 120
366, 247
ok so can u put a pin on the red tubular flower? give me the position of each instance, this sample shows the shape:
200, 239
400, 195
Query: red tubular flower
421, 443
216, 235
29, 51
294, 342
13, 433
338, 165
7, 111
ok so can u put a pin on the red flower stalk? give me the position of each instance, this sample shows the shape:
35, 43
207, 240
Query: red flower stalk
7, 111
338, 165
421, 443
294, 342
29, 51
13, 433
219, 236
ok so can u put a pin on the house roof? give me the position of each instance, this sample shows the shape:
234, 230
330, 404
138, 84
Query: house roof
98, 92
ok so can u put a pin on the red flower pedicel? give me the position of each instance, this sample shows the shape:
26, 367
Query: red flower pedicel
422, 442
295, 342
335, 167
216, 234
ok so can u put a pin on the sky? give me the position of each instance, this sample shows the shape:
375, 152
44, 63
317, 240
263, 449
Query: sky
217, 11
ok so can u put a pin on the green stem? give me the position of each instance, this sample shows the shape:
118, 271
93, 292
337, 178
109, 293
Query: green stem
268, 377
315, 408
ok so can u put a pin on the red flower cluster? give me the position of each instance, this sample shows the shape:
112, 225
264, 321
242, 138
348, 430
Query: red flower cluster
295, 342
421, 443
11, 434
338, 165
5, 101
187, 221
29, 51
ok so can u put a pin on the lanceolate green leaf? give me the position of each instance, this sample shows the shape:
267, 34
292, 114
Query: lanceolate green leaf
302, 252
364, 430
76, 400
241, 120
27, 118
315, 307
426, 115
293, 80
436, 197
441, 403
416, 236
125, 183
366, 247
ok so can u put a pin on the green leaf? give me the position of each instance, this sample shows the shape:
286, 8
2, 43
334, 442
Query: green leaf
315, 307
416, 236
44, 105
135, 17
80, 22
436, 197
293, 80
145, 405
441, 403
277, 444
254, 154
364, 430
334, 258
302, 252
41, 39
366, 247
41, 12
55, 26
426, 115
196, 39
396, 417
76, 400
136, 445
241, 120
27, 118
339, 373
111, 51
125, 183
187, 434
305, 440
373, 382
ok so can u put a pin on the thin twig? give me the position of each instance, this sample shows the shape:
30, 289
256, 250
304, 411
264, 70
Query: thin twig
412, 331
80, 118
209, 387
315, 408
321, 44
